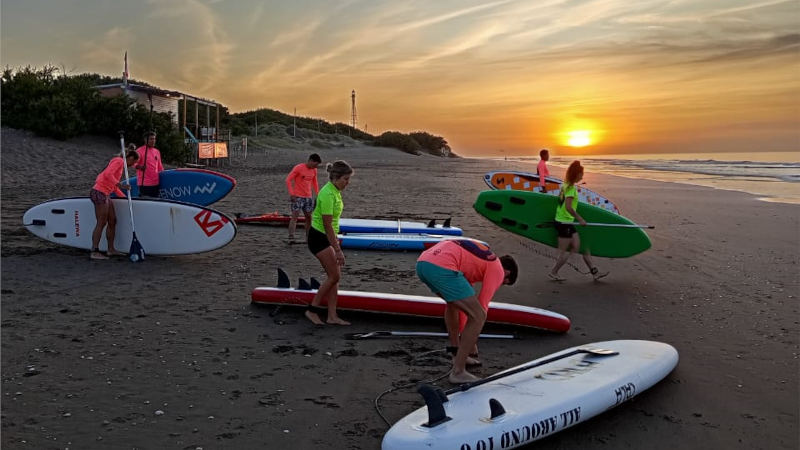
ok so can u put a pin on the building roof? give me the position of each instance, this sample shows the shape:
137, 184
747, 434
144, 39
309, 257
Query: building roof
156, 91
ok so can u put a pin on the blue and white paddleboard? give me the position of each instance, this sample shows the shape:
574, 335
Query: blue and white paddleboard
396, 226
197, 186
532, 401
391, 241
163, 227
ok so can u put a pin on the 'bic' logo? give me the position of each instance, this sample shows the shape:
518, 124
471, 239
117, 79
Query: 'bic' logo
209, 227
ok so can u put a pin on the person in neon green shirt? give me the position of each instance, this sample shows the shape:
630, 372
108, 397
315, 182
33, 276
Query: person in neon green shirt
323, 242
568, 238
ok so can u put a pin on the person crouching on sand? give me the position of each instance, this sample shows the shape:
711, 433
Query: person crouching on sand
106, 183
449, 269
566, 213
323, 242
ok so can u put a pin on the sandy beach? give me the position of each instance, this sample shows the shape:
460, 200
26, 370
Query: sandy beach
170, 353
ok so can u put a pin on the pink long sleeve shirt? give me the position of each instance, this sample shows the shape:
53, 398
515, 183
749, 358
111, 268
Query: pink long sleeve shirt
300, 181
152, 166
108, 180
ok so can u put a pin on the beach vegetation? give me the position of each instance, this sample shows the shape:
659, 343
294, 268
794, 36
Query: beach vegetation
52, 104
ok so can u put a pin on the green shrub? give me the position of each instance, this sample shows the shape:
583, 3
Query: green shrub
398, 140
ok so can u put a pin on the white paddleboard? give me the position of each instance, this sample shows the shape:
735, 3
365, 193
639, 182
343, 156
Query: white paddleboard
163, 227
568, 388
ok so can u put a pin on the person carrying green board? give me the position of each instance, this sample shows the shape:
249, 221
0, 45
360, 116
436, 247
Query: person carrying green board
568, 238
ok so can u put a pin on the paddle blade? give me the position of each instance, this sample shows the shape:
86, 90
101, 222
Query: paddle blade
136, 253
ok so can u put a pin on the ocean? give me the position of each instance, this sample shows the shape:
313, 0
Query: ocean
772, 176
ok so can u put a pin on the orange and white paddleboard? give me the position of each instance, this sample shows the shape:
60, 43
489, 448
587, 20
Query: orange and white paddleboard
525, 181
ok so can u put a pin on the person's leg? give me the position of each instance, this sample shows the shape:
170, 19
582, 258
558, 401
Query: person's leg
476, 317
307, 224
293, 223
564, 253
332, 271
333, 317
111, 229
101, 215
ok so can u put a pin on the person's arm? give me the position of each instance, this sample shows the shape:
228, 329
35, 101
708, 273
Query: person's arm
289, 185
327, 222
160, 167
140, 164
571, 211
316, 184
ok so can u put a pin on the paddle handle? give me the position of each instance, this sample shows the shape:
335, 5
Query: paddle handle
127, 179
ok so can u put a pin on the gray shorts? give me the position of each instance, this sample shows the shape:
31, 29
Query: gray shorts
304, 204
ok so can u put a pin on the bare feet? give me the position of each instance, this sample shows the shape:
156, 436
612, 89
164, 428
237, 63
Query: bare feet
462, 377
97, 255
314, 318
555, 277
114, 253
472, 361
337, 321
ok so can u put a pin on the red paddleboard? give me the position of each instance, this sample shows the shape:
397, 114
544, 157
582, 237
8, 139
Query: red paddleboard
275, 219
413, 305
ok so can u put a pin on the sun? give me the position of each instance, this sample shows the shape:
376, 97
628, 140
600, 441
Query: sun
579, 138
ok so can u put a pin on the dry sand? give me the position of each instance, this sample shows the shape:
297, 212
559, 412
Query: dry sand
169, 353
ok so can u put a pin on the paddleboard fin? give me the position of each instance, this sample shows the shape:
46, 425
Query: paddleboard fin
314, 283
434, 400
496, 409
446, 223
283, 279
303, 285
432, 223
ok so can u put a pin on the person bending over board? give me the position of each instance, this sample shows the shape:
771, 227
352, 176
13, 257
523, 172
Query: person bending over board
106, 183
566, 213
323, 242
449, 269
541, 169
300, 182
149, 167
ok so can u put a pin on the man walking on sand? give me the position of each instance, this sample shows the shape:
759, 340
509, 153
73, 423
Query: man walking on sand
300, 182
541, 169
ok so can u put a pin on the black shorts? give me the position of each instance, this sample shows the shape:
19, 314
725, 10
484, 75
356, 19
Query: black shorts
317, 241
565, 230
149, 191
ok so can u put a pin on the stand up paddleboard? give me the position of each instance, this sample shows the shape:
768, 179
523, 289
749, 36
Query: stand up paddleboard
163, 227
534, 400
412, 305
392, 241
524, 181
532, 215
197, 186
359, 225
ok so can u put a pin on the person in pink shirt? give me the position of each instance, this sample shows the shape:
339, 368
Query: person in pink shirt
106, 183
449, 269
541, 169
300, 182
149, 167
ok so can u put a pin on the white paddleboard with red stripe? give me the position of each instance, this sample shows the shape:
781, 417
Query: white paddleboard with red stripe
413, 305
163, 227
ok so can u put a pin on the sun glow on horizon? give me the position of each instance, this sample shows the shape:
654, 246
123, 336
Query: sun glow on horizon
579, 138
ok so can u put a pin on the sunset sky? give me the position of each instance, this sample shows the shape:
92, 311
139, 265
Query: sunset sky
491, 77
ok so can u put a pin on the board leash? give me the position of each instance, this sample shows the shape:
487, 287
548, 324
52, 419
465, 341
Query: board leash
407, 385
549, 255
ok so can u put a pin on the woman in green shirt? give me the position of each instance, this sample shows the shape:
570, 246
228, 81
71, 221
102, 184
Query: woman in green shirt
323, 242
566, 213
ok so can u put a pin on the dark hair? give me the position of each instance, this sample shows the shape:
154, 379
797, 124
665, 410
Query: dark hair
574, 171
338, 169
315, 157
543, 152
148, 134
510, 265
132, 154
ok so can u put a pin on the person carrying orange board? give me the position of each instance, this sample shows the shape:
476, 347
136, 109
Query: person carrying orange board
541, 169
300, 182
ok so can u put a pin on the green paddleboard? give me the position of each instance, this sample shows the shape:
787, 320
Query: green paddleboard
531, 214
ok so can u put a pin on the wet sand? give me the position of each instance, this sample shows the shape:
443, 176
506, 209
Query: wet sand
169, 353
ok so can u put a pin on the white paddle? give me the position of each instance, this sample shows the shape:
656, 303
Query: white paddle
596, 224
136, 252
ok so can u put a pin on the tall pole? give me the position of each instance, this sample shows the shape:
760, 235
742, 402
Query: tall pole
353, 114
294, 124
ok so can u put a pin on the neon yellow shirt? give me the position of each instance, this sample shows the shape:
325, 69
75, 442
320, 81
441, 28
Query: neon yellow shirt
329, 203
562, 215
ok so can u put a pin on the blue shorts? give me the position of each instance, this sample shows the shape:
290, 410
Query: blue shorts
304, 204
448, 284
